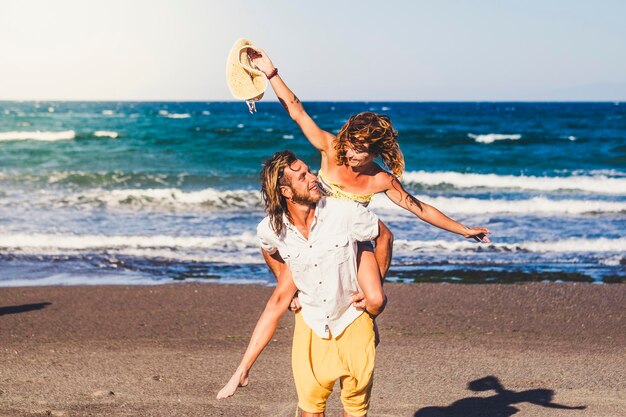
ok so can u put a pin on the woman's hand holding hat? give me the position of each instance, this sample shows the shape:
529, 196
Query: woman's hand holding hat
260, 60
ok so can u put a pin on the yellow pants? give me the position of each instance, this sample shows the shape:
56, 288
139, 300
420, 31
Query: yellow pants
317, 363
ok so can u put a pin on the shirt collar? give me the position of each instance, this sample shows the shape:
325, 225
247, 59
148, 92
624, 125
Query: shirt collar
316, 215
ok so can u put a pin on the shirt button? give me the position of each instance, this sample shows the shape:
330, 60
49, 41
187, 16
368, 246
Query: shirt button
320, 282
324, 300
315, 264
310, 246
327, 317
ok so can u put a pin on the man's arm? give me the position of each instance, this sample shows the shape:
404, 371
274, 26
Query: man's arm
274, 262
263, 332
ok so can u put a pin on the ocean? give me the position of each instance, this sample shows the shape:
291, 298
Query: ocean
160, 192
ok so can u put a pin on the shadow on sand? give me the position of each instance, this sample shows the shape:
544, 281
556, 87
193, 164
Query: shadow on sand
499, 405
22, 308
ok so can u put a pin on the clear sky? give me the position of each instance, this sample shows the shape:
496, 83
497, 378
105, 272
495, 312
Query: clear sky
325, 50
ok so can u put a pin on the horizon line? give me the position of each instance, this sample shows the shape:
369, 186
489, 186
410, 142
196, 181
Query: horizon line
307, 101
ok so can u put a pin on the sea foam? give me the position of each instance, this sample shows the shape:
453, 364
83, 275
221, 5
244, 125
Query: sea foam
106, 134
493, 137
33, 243
44, 136
42, 243
67, 279
210, 198
566, 245
126, 278
591, 184
170, 198
536, 205
169, 115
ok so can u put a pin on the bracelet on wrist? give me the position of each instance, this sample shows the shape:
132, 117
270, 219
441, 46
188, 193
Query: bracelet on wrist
272, 74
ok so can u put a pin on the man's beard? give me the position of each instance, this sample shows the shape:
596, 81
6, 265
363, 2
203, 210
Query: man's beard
305, 199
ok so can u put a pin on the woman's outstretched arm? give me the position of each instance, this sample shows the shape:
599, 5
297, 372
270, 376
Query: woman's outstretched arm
396, 193
263, 332
319, 138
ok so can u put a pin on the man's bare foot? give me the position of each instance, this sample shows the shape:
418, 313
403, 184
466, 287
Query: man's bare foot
239, 379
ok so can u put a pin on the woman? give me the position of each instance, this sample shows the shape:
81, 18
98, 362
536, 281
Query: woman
348, 169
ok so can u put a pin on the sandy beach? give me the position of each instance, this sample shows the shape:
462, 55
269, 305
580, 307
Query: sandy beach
548, 349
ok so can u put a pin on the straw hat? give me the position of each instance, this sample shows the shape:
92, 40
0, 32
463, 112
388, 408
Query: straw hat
244, 81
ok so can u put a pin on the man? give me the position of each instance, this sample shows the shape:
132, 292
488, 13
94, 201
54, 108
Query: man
317, 238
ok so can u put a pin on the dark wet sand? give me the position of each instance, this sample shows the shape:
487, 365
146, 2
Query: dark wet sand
166, 351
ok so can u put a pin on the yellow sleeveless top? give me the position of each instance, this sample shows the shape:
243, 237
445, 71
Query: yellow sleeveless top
333, 190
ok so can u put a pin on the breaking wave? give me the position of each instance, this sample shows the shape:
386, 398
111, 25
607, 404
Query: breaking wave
55, 243
566, 245
106, 134
44, 136
170, 198
591, 184
137, 245
536, 205
493, 137
169, 115
215, 199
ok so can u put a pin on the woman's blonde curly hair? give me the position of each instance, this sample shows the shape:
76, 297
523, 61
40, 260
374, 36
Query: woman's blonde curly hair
272, 178
375, 131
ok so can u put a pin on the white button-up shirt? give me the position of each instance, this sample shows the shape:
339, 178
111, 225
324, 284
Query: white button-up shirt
324, 265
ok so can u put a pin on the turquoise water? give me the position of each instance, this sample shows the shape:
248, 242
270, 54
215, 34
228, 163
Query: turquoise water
151, 192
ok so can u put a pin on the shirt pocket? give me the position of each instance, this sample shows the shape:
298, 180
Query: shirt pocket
292, 258
338, 249
341, 254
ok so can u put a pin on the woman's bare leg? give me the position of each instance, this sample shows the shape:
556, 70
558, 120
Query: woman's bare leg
376, 262
366, 264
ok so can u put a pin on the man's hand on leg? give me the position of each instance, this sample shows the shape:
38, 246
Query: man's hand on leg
295, 303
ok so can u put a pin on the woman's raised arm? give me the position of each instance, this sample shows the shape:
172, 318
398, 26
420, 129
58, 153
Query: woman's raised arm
319, 138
